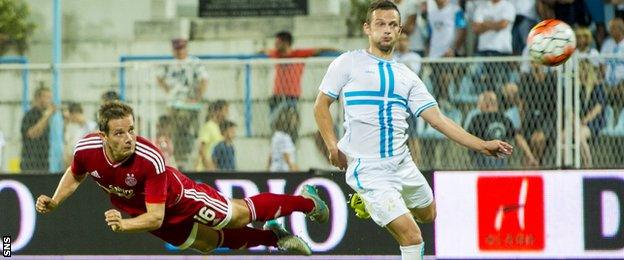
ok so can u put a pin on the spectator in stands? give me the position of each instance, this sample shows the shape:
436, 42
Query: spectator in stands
405, 56
287, 86
36, 131
490, 123
538, 96
185, 82
614, 67
584, 41
493, 21
526, 18
413, 23
448, 30
592, 108
76, 127
224, 154
210, 134
109, 96
282, 158
164, 139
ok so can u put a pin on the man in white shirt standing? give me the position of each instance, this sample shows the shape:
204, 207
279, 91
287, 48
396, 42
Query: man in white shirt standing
378, 94
448, 30
614, 67
493, 21
526, 18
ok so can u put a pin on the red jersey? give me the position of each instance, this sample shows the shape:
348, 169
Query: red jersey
142, 177
288, 76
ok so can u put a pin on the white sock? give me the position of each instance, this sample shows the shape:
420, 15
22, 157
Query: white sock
414, 252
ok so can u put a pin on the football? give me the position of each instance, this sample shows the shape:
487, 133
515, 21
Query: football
551, 42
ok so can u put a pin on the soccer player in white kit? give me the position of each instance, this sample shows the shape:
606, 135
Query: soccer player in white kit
378, 94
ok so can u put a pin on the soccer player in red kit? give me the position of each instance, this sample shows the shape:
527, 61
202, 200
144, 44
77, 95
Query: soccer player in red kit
168, 204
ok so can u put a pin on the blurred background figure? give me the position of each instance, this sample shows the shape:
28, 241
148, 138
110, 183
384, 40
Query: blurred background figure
76, 126
224, 155
404, 55
526, 18
185, 81
109, 96
287, 84
210, 135
585, 44
593, 102
164, 139
283, 158
35, 131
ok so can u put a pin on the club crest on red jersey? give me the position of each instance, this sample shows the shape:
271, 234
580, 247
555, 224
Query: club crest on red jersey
130, 180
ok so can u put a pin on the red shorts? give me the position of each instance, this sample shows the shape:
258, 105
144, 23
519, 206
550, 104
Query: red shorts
200, 204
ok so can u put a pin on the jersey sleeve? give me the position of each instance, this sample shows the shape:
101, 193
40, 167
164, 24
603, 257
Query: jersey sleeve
336, 77
420, 99
77, 164
154, 171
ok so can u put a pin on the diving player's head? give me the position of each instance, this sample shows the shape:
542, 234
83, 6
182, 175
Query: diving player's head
383, 25
116, 125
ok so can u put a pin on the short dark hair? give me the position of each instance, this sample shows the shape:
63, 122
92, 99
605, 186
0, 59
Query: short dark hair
215, 106
42, 88
285, 36
74, 107
381, 5
109, 96
225, 125
111, 111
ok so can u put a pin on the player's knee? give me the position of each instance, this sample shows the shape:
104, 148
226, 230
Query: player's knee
240, 215
429, 217
410, 239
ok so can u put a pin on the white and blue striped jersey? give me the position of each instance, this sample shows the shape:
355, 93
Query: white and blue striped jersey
378, 96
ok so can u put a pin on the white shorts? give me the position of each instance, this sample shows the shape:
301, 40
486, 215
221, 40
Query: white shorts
389, 187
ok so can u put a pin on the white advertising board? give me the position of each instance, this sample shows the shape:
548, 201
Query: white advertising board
530, 214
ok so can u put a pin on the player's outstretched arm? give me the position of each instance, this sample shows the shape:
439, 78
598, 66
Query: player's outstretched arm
325, 124
68, 184
440, 122
148, 221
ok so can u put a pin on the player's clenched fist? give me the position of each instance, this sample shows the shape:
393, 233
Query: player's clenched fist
45, 204
113, 219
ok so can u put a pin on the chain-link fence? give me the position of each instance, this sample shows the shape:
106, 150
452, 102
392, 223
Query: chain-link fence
256, 114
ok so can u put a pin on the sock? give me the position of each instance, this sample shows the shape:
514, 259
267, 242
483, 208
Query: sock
247, 237
413, 252
267, 206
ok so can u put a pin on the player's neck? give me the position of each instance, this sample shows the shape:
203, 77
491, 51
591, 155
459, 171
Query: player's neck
380, 54
112, 157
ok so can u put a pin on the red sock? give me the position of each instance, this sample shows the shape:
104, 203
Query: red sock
267, 206
247, 237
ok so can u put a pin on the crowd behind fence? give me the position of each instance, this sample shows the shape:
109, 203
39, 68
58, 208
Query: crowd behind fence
568, 116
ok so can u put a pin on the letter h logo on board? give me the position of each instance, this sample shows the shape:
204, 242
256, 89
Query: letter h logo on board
510, 213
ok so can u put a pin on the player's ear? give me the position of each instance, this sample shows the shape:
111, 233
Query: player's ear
101, 134
366, 28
